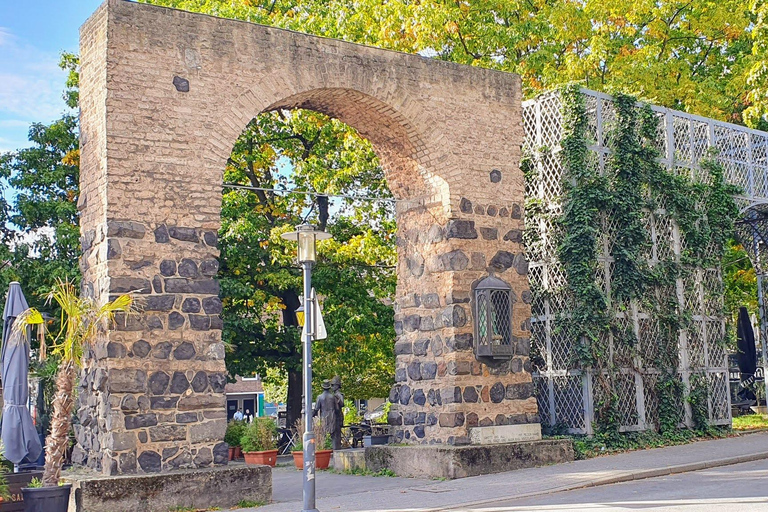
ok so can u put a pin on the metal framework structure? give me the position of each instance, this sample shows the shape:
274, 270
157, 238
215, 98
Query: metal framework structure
567, 394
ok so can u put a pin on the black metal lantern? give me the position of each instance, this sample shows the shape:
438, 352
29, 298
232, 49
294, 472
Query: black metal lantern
493, 319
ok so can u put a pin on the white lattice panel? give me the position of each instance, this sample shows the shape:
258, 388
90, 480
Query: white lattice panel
567, 395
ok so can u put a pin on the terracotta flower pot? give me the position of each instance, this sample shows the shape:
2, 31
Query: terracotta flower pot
266, 458
298, 459
238, 452
231, 453
322, 459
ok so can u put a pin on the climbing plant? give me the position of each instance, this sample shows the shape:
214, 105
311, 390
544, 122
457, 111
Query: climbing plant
615, 204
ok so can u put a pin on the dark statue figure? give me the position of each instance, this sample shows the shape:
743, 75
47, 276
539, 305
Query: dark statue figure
327, 408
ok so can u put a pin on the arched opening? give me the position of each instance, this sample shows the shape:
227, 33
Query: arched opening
290, 166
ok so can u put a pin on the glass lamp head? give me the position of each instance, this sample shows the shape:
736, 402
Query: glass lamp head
307, 237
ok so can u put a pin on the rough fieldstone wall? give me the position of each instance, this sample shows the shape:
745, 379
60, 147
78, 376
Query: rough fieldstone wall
164, 95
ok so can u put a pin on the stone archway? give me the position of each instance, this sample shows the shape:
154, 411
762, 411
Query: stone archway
164, 95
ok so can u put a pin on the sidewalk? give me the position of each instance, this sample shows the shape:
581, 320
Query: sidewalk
348, 493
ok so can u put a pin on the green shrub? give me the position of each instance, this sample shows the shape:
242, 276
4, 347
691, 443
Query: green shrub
234, 432
260, 435
35, 483
351, 414
384, 417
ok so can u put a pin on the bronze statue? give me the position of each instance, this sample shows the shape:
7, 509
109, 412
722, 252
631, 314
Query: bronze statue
327, 408
336, 389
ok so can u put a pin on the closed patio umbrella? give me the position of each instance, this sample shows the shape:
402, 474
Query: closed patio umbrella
17, 432
747, 357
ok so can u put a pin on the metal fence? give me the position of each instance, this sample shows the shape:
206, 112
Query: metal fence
566, 393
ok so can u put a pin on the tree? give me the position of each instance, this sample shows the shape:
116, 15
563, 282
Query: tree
354, 276
690, 55
757, 112
740, 281
81, 321
39, 226
43, 239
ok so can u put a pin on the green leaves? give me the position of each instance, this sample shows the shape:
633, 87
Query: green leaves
633, 191
303, 150
704, 57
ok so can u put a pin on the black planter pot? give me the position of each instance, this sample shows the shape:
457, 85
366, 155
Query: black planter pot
46, 499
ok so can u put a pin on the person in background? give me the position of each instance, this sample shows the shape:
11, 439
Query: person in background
248, 416
238, 415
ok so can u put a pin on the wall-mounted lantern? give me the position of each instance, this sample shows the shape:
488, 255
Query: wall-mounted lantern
493, 319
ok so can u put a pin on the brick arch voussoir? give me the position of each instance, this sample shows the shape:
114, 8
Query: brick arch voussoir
416, 158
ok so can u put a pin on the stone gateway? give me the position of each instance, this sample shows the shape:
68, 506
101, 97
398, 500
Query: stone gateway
164, 95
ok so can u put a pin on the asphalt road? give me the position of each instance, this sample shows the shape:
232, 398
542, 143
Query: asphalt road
737, 488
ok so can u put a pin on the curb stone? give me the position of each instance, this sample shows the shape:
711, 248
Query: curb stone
624, 476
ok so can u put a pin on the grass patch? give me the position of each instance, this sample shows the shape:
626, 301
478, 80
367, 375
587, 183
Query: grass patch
600, 444
750, 421
363, 472
250, 504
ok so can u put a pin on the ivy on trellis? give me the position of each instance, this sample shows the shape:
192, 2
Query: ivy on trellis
632, 187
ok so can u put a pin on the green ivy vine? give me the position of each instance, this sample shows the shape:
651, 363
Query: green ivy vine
632, 189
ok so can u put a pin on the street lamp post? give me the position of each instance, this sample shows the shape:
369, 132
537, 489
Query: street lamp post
307, 236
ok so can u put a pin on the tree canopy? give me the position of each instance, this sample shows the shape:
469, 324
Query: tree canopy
695, 56
354, 278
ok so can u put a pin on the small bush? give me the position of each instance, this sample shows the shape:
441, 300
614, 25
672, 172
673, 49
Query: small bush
35, 483
260, 435
234, 432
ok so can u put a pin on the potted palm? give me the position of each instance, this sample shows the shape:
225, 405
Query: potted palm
82, 319
259, 442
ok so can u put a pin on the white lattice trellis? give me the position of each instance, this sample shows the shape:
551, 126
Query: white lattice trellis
567, 394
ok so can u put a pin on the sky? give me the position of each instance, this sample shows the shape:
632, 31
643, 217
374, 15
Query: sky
33, 33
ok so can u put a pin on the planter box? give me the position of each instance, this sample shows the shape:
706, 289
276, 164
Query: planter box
47, 499
15, 482
266, 458
375, 440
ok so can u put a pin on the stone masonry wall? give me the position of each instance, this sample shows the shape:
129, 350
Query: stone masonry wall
164, 95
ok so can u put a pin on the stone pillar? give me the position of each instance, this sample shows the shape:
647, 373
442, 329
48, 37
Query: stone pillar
151, 393
442, 391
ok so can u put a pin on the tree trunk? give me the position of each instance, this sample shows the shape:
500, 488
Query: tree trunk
61, 421
293, 407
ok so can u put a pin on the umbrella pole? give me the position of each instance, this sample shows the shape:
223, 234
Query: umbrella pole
762, 330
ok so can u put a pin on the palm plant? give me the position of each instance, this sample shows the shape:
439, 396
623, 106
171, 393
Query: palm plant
81, 321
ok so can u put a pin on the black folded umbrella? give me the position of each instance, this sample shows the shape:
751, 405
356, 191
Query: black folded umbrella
747, 356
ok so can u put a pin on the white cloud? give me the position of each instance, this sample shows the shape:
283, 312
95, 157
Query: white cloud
31, 83
5, 36
31, 237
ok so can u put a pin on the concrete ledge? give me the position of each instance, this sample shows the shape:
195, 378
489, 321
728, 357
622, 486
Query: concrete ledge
196, 488
440, 461
349, 460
